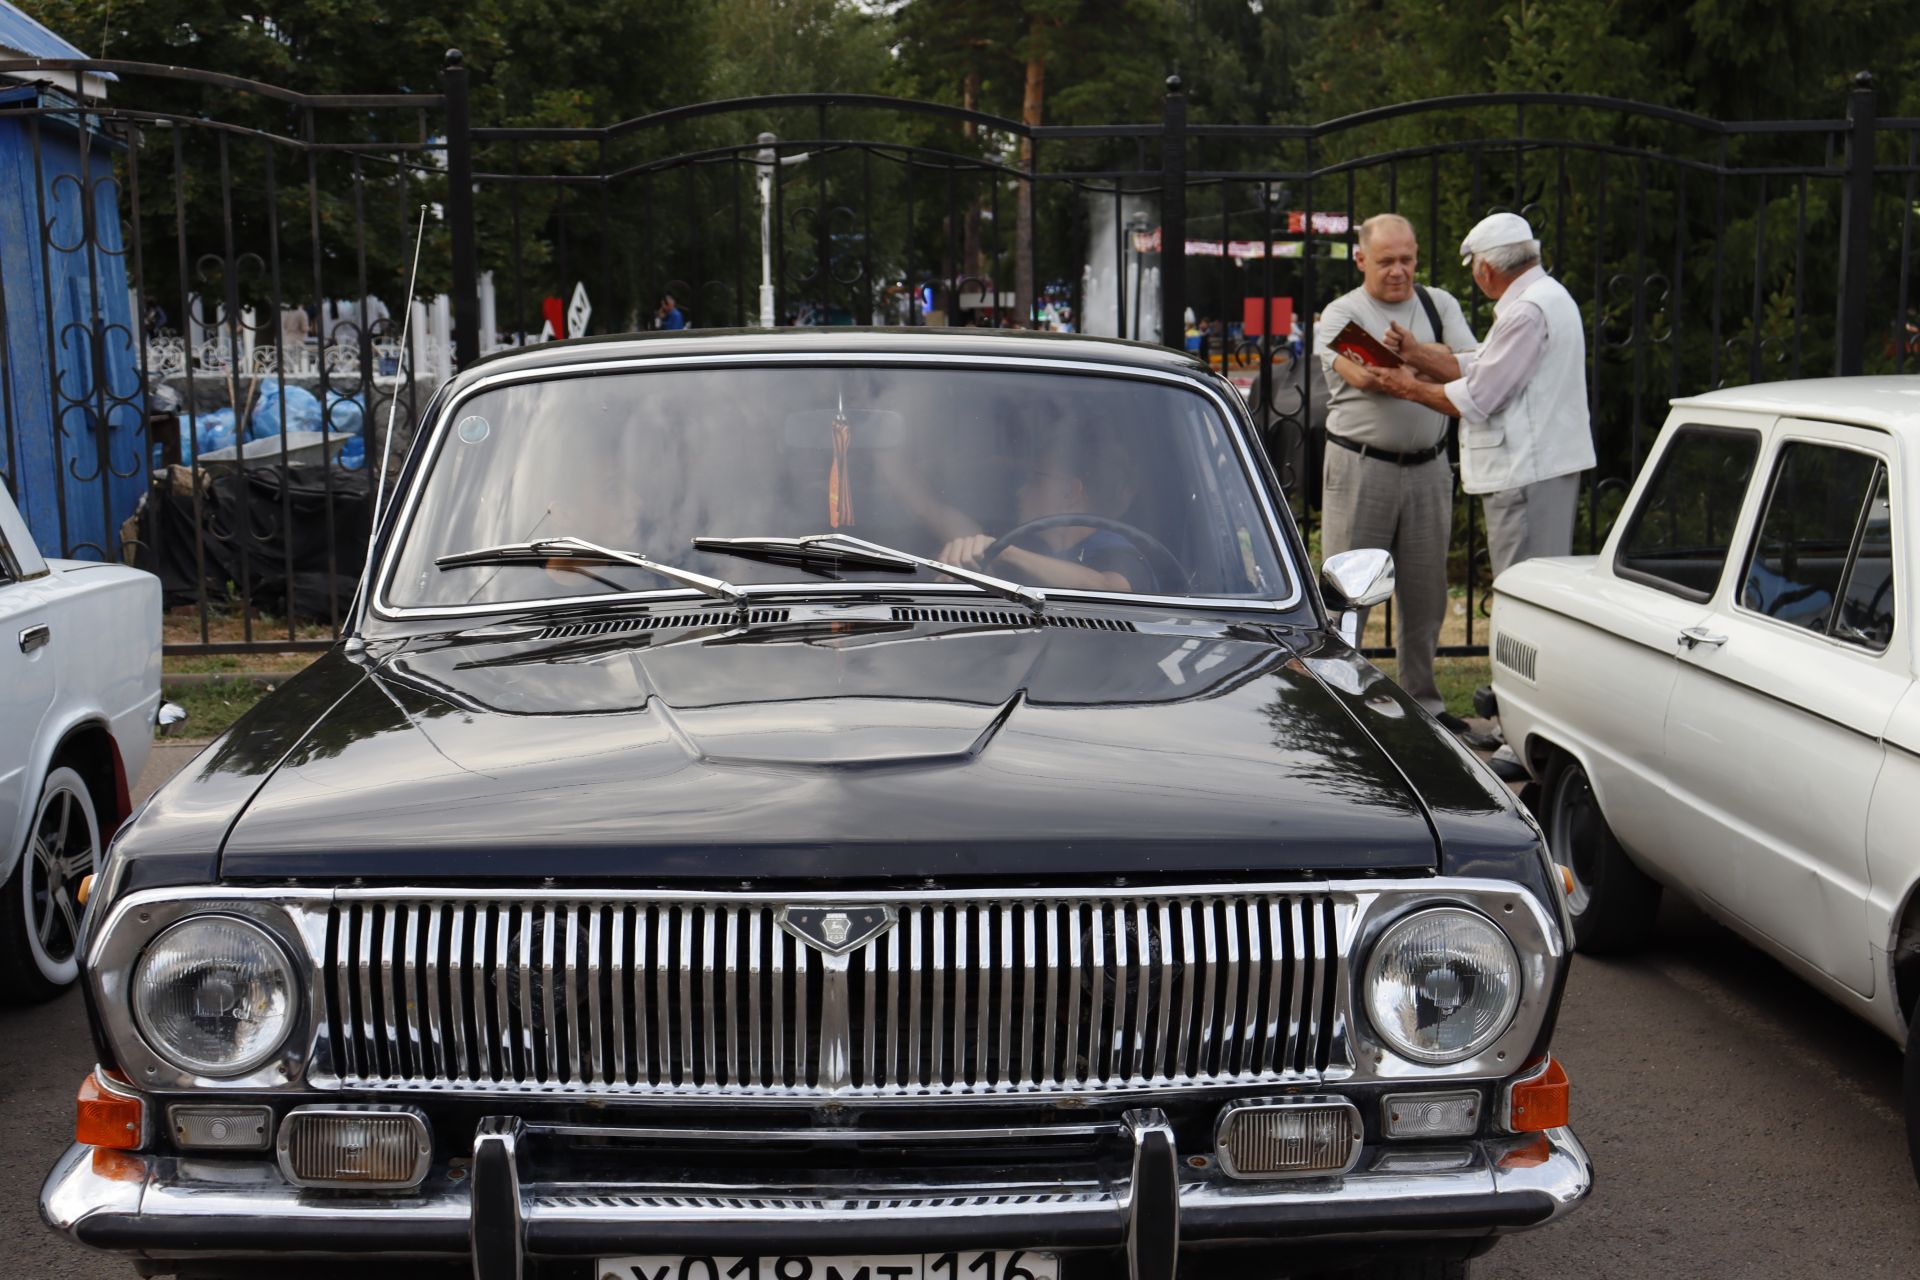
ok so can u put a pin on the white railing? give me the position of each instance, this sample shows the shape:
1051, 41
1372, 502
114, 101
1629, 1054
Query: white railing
167, 358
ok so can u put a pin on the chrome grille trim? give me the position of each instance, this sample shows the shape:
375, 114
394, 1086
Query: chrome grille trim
667, 995
1007, 618
659, 622
1516, 656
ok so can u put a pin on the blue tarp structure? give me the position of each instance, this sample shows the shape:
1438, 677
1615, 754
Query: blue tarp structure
71, 401
24, 36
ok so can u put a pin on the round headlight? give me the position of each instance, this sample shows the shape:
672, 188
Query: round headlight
214, 995
1442, 984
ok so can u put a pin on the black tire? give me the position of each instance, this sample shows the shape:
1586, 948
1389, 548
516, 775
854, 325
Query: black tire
39, 907
1613, 902
1910, 1093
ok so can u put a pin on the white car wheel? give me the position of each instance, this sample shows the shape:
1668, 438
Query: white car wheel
41, 933
1612, 901
1570, 807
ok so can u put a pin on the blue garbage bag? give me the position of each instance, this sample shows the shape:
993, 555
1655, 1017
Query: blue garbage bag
204, 432
353, 454
346, 416
302, 411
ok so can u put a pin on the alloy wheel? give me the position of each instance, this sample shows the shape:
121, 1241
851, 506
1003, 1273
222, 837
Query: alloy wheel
62, 851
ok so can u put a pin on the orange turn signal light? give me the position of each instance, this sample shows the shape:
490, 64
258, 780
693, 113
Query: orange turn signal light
107, 1119
1542, 1102
1566, 877
85, 890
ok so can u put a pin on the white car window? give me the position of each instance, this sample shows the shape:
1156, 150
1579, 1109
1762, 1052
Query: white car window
1822, 558
9, 567
1866, 600
1679, 536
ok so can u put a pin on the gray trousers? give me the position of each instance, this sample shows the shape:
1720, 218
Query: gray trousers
1368, 502
1533, 520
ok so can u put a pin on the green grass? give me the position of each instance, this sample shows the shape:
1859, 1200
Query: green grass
213, 707
234, 664
1457, 678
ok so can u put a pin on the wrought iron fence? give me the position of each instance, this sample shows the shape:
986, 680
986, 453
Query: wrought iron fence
1703, 252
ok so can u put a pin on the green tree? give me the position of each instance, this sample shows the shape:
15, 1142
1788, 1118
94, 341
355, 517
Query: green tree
532, 62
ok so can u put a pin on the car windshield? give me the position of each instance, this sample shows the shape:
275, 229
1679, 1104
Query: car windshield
1066, 482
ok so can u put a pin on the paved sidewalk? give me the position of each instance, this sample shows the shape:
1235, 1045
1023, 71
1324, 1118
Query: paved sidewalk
165, 760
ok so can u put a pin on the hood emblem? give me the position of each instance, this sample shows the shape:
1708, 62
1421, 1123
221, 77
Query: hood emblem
837, 930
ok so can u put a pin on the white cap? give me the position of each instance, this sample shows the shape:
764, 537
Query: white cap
1491, 232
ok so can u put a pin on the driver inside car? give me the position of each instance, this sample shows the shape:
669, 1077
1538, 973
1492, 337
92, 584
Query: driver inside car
1065, 480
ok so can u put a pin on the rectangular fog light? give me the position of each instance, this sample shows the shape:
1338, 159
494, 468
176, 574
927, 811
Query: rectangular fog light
366, 1148
1455, 1114
221, 1128
1312, 1136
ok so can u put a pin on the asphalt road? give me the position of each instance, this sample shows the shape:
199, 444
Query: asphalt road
1742, 1126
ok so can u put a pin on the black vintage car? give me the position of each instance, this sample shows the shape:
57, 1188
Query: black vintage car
829, 806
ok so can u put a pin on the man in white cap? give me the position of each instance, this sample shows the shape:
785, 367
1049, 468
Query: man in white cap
1525, 435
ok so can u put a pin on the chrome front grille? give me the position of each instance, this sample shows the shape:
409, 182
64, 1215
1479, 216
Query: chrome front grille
635, 995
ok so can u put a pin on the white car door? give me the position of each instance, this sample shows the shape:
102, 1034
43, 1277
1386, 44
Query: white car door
27, 671
1666, 565
1774, 731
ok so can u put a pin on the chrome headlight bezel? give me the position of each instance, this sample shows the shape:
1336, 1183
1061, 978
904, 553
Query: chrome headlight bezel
1381, 949
132, 925
272, 952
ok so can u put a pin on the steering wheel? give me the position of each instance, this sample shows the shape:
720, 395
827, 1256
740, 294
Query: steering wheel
1165, 565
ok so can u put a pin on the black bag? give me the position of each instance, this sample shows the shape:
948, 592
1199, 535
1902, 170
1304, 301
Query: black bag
253, 529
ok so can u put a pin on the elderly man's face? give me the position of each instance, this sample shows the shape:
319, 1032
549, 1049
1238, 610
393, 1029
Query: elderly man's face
1388, 262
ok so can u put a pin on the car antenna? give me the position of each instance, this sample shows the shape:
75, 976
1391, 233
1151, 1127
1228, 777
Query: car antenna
393, 407
393, 403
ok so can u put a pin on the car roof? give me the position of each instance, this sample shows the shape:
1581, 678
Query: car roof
1890, 401
1014, 344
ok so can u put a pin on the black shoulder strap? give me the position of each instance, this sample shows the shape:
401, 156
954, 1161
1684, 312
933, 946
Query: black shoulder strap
1433, 318
1433, 312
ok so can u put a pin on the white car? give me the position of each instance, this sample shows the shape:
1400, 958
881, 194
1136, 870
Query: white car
1723, 700
79, 696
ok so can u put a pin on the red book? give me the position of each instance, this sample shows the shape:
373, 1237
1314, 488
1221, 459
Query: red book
1356, 343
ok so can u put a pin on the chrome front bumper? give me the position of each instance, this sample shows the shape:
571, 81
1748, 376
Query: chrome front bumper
168, 1206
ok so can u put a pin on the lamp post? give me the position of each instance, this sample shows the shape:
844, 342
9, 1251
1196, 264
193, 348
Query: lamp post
766, 161
1138, 228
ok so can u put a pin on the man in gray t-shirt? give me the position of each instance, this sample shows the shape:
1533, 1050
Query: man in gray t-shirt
1386, 481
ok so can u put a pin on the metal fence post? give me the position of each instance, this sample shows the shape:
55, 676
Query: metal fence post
1856, 229
466, 279
1173, 218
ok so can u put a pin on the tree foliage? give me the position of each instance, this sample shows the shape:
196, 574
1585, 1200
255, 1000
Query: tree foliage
945, 199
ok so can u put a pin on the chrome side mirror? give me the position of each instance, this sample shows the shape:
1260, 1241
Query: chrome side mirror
169, 717
1356, 580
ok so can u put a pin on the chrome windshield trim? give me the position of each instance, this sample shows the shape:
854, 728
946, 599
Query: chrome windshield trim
1231, 415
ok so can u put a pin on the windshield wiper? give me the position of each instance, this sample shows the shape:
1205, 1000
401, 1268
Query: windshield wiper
859, 553
580, 549
815, 549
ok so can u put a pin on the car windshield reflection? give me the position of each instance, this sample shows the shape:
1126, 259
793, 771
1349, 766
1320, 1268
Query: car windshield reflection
1027, 483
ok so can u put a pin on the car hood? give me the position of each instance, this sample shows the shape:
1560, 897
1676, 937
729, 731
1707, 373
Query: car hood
881, 750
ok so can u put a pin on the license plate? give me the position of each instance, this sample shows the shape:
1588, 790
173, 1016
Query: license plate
966, 1264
